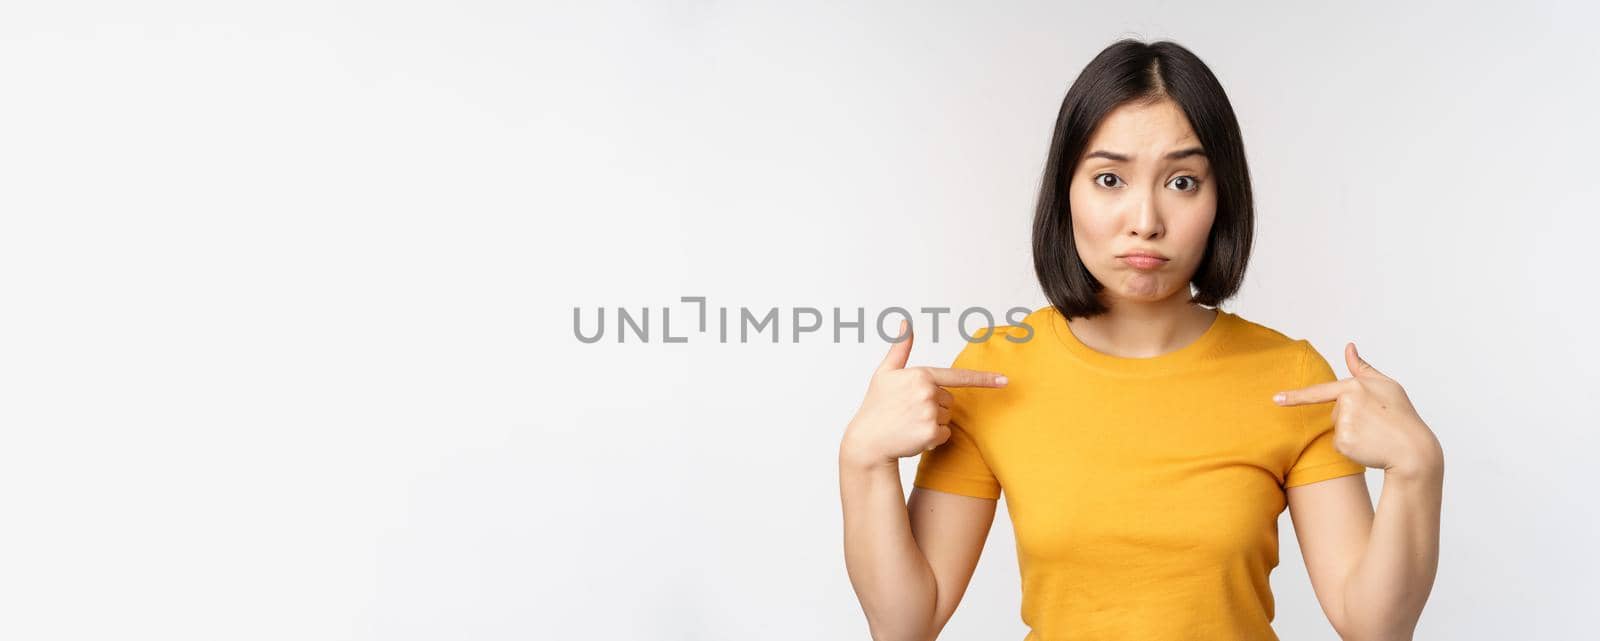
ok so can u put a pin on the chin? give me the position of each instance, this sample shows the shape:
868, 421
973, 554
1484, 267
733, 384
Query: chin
1143, 298
1136, 294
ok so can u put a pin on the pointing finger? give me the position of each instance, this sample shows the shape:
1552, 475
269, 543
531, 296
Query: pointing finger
958, 377
1319, 393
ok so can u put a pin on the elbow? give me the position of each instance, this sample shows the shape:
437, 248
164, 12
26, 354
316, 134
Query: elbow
902, 629
906, 614
1374, 637
1352, 632
886, 633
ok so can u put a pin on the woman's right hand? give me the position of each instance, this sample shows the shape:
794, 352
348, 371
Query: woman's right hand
906, 410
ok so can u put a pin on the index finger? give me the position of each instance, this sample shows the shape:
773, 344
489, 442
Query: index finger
1319, 393
959, 377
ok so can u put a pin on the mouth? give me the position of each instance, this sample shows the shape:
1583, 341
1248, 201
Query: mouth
1143, 261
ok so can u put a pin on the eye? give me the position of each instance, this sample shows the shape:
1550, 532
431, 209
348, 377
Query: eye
1102, 183
1192, 183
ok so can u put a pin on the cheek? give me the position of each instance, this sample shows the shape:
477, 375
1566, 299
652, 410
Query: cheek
1194, 228
1188, 219
1092, 221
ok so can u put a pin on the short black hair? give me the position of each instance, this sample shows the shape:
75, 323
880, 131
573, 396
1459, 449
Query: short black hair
1132, 71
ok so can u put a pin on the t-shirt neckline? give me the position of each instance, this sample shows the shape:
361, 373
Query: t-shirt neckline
1197, 349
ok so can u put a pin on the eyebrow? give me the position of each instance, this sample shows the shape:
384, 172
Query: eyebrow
1176, 155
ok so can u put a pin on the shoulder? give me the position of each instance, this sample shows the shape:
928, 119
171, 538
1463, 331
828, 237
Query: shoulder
997, 344
1270, 348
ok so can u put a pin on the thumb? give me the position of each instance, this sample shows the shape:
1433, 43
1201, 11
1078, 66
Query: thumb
1358, 366
898, 351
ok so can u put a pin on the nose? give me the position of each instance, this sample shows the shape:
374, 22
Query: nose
1145, 218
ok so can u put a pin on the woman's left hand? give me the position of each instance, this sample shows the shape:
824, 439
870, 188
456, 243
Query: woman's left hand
1374, 422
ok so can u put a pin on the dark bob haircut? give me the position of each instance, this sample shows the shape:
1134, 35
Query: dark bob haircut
1130, 71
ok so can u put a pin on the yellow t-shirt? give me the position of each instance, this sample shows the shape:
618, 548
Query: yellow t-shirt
1144, 492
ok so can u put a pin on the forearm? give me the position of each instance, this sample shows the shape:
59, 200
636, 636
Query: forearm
891, 576
1386, 591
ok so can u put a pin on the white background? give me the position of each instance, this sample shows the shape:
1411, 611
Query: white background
286, 295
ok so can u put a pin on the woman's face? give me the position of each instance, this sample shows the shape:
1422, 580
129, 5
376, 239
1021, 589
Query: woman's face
1143, 184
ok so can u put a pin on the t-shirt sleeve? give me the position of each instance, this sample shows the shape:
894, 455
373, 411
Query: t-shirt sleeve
1318, 459
957, 466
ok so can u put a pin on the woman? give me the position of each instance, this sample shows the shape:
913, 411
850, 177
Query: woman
1135, 427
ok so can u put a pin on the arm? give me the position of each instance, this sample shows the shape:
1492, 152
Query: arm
1385, 593
1372, 573
909, 565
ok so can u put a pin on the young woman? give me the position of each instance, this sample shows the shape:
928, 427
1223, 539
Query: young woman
1135, 427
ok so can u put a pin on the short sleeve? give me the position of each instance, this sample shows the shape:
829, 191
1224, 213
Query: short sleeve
1318, 459
957, 466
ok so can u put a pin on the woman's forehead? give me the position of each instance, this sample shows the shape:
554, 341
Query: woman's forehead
1143, 130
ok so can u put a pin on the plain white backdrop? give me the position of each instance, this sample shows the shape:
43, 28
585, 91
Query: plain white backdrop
286, 295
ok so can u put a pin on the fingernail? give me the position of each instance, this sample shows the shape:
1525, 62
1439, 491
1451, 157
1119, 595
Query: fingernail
1000, 380
1280, 397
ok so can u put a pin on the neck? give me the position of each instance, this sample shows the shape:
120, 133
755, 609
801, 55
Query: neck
1143, 329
